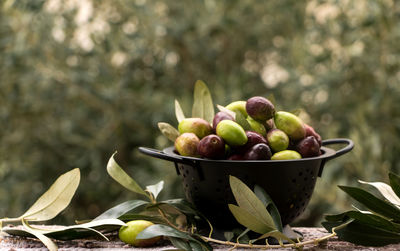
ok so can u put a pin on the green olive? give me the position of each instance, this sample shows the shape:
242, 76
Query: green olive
232, 133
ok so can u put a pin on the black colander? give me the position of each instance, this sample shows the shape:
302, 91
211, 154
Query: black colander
290, 183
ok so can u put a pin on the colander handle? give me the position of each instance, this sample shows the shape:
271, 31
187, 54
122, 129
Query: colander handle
342, 151
159, 154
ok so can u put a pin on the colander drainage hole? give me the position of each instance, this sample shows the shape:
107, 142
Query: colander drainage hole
300, 173
294, 180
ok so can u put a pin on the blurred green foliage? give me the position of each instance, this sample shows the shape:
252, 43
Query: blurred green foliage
81, 79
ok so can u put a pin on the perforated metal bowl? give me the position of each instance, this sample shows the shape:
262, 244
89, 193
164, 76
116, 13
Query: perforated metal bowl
290, 183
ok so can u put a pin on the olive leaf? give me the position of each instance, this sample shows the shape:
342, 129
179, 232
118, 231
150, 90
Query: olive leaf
385, 190
226, 110
168, 130
277, 235
68, 232
179, 112
365, 218
164, 230
121, 209
248, 201
155, 189
44, 239
362, 234
119, 175
55, 199
270, 205
249, 220
203, 106
372, 202
394, 180
242, 121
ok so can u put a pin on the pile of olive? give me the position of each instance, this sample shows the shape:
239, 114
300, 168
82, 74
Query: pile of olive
275, 135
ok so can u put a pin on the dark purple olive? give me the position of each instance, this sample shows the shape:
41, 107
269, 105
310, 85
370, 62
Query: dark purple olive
236, 157
219, 117
258, 152
260, 108
310, 131
212, 147
253, 138
308, 147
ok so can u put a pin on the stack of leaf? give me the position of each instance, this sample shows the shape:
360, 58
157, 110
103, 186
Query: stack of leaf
377, 227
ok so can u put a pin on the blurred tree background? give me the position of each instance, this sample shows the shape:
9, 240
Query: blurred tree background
81, 79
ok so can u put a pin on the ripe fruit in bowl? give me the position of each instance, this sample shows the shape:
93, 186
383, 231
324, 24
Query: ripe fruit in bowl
186, 144
198, 126
232, 133
260, 108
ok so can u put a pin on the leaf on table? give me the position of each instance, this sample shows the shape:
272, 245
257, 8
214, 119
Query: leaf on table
365, 218
121, 209
179, 112
119, 175
44, 239
203, 106
155, 189
168, 131
180, 244
385, 190
85, 230
226, 110
277, 235
247, 200
164, 230
55, 199
249, 220
270, 205
69, 232
372, 202
362, 234
394, 180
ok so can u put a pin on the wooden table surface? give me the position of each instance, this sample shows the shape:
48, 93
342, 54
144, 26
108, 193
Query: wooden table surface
11, 243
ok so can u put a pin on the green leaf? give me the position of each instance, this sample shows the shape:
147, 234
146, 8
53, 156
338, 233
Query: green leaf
247, 200
168, 130
363, 234
270, 205
242, 121
44, 239
85, 230
164, 230
203, 106
130, 216
119, 175
179, 112
180, 243
69, 232
249, 220
365, 218
226, 110
56, 199
277, 235
156, 188
121, 209
182, 205
372, 202
385, 190
395, 183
